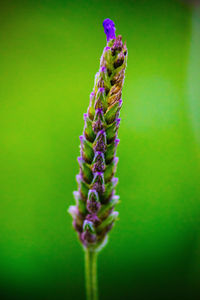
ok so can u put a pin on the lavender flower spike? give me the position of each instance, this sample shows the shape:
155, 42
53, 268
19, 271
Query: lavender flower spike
94, 215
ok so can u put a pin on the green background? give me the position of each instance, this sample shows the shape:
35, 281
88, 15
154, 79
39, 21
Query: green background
49, 54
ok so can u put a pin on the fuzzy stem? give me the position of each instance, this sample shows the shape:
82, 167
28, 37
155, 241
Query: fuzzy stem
91, 274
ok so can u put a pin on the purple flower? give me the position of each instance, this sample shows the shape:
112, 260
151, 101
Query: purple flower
94, 215
109, 29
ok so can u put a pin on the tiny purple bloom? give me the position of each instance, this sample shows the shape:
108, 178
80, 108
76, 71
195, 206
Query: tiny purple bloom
101, 90
109, 29
103, 69
107, 48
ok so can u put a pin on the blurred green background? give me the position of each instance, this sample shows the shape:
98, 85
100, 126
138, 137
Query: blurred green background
49, 54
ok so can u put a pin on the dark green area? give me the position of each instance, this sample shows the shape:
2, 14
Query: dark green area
49, 54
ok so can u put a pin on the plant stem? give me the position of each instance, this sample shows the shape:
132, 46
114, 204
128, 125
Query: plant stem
91, 274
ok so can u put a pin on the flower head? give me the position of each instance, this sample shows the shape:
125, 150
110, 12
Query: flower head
94, 215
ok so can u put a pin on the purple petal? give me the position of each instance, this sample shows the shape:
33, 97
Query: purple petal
109, 29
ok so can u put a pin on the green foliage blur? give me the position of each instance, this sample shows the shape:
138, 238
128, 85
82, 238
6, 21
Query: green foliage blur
49, 54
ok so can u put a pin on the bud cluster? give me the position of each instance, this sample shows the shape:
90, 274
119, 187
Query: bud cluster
94, 215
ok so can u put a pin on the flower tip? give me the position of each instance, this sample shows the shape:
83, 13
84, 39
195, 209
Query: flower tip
79, 160
88, 226
103, 69
109, 29
72, 210
107, 48
101, 90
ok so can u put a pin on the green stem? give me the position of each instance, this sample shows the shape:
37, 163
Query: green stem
91, 274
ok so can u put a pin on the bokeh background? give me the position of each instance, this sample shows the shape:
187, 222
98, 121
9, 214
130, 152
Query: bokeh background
49, 54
